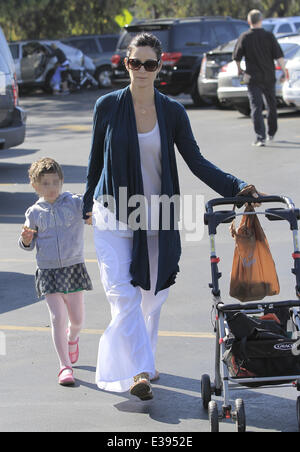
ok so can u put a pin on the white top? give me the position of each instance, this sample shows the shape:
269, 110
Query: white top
150, 152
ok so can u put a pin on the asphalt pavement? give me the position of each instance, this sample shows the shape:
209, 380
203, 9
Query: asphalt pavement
31, 399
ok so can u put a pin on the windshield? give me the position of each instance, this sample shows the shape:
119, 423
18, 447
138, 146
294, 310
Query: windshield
269, 27
289, 50
161, 34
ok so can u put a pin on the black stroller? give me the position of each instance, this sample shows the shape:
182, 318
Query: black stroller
249, 351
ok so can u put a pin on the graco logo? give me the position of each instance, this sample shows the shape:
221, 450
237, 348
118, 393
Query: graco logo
283, 347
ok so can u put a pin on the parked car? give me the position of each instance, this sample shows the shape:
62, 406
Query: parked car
212, 63
35, 63
282, 25
100, 48
12, 116
291, 87
184, 42
233, 91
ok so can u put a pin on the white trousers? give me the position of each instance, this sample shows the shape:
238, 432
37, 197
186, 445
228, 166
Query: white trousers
128, 345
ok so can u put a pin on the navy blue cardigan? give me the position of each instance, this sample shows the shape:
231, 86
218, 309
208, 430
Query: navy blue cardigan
114, 162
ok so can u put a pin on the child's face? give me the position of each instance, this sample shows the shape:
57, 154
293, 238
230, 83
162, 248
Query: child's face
49, 187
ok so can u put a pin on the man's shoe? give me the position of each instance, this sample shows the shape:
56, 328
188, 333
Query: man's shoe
270, 138
259, 143
142, 387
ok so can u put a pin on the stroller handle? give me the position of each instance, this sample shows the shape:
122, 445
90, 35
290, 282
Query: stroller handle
239, 201
214, 219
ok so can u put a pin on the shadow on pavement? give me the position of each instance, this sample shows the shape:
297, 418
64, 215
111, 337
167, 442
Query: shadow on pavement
14, 206
17, 291
12, 173
170, 407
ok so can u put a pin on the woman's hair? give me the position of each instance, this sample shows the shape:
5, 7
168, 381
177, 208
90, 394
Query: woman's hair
44, 166
143, 40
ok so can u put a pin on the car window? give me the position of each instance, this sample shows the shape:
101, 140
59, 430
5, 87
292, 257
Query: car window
297, 25
3, 65
186, 35
297, 53
5, 52
269, 27
224, 32
14, 48
31, 48
85, 45
240, 28
108, 44
290, 50
284, 28
189, 35
161, 34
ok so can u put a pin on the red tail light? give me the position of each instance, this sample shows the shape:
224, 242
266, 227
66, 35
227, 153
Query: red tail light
287, 74
115, 60
171, 57
224, 68
203, 66
15, 90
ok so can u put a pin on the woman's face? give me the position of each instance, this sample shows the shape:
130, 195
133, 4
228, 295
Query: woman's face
141, 78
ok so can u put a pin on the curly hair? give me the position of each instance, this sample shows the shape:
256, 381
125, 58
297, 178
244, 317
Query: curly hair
44, 166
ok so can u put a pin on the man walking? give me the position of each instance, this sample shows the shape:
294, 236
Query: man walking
260, 48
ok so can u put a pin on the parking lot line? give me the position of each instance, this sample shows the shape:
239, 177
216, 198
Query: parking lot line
75, 127
39, 329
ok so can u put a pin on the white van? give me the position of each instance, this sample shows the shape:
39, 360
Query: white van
282, 25
12, 116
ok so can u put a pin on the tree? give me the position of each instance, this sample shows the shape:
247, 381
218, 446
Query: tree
37, 19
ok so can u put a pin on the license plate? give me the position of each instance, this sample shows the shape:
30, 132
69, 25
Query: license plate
236, 81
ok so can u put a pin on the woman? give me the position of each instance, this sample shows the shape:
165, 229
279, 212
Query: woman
132, 155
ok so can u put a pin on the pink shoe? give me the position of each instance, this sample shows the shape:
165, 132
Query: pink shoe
67, 379
74, 356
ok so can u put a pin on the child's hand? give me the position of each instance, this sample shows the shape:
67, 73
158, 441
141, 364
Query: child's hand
27, 235
89, 220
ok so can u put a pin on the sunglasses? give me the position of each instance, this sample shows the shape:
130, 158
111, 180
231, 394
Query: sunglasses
149, 65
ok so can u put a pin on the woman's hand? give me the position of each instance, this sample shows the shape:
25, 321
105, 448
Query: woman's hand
27, 235
250, 190
89, 220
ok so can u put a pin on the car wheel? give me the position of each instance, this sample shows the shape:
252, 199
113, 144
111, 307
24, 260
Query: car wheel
244, 109
197, 99
103, 76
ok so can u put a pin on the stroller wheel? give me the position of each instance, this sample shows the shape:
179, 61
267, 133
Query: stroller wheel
205, 390
240, 416
213, 416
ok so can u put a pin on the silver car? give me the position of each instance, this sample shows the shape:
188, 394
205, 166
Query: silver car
291, 87
233, 91
12, 116
35, 63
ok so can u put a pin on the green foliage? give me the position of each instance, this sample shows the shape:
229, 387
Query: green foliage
36, 19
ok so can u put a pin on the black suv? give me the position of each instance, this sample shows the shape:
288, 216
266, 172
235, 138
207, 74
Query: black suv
100, 48
184, 42
12, 117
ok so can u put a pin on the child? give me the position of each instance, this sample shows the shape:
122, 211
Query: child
54, 225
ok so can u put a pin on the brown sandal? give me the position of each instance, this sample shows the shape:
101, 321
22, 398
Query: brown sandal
142, 387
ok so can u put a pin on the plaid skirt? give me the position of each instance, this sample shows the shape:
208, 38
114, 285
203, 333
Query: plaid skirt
64, 280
